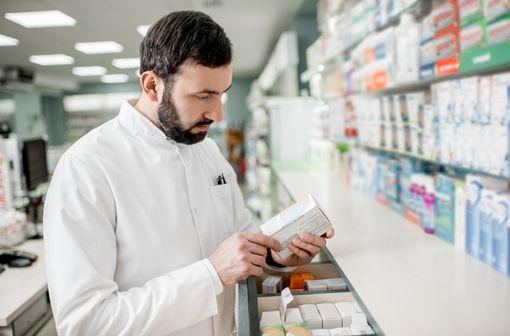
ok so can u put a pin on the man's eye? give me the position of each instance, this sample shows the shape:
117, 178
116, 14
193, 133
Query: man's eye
203, 97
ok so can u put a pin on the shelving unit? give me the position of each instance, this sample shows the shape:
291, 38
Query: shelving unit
463, 170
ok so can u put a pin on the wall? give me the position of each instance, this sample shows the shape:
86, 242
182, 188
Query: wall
237, 112
305, 25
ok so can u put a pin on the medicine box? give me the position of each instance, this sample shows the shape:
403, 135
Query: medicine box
474, 189
270, 319
501, 235
330, 316
272, 284
344, 331
336, 284
311, 316
303, 216
350, 313
444, 207
316, 285
293, 316
486, 212
460, 215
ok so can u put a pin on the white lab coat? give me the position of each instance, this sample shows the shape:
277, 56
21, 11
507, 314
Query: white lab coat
129, 221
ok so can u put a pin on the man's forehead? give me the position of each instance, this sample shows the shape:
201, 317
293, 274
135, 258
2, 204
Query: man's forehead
200, 76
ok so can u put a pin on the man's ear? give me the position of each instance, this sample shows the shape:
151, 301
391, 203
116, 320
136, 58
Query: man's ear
152, 86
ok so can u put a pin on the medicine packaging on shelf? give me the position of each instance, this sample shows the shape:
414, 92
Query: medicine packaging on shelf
336, 284
311, 316
330, 316
272, 284
498, 31
470, 11
316, 285
320, 332
486, 211
501, 234
303, 216
493, 9
473, 36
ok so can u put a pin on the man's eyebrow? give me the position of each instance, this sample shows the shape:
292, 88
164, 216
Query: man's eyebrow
212, 91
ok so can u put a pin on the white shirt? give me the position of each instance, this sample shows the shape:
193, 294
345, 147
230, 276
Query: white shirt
129, 220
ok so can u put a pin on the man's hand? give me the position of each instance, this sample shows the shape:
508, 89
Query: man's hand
242, 255
303, 249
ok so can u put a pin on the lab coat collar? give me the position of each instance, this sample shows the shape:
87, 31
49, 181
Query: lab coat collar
134, 121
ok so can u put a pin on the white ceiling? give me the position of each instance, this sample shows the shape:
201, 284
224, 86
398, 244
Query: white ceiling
252, 25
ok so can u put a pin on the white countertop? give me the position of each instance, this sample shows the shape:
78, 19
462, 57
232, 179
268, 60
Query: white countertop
411, 282
20, 287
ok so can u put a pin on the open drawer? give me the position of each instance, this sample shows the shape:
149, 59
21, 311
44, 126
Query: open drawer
251, 303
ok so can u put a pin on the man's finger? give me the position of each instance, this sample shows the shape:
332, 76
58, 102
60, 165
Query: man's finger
257, 249
256, 270
299, 252
257, 260
330, 233
262, 239
313, 239
310, 248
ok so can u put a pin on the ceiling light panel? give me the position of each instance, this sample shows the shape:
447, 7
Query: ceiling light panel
126, 63
89, 71
8, 41
56, 59
115, 78
41, 19
100, 47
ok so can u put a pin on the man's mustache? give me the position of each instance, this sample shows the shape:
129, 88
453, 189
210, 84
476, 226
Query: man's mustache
203, 122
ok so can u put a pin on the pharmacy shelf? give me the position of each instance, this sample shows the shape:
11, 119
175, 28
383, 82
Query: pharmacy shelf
411, 282
465, 170
333, 61
478, 61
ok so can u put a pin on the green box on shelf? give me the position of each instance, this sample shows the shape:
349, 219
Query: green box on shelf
470, 11
483, 58
444, 208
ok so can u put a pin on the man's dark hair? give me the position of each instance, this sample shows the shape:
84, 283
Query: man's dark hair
180, 37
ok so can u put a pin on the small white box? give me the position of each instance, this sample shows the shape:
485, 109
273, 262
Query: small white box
272, 284
345, 331
311, 316
330, 316
336, 284
349, 313
316, 285
293, 316
363, 329
320, 332
270, 319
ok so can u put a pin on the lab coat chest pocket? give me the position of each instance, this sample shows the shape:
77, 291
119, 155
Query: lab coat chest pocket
222, 198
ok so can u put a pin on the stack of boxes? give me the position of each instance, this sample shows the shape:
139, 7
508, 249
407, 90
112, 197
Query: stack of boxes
466, 123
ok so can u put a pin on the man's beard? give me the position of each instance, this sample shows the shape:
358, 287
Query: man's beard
172, 126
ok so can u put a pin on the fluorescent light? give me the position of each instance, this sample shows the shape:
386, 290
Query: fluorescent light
89, 71
57, 59
118, 78
51, 18
7, 41
142, 30
101, 47
126, 63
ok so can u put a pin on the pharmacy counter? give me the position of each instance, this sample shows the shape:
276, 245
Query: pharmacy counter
412, 283
24, 304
